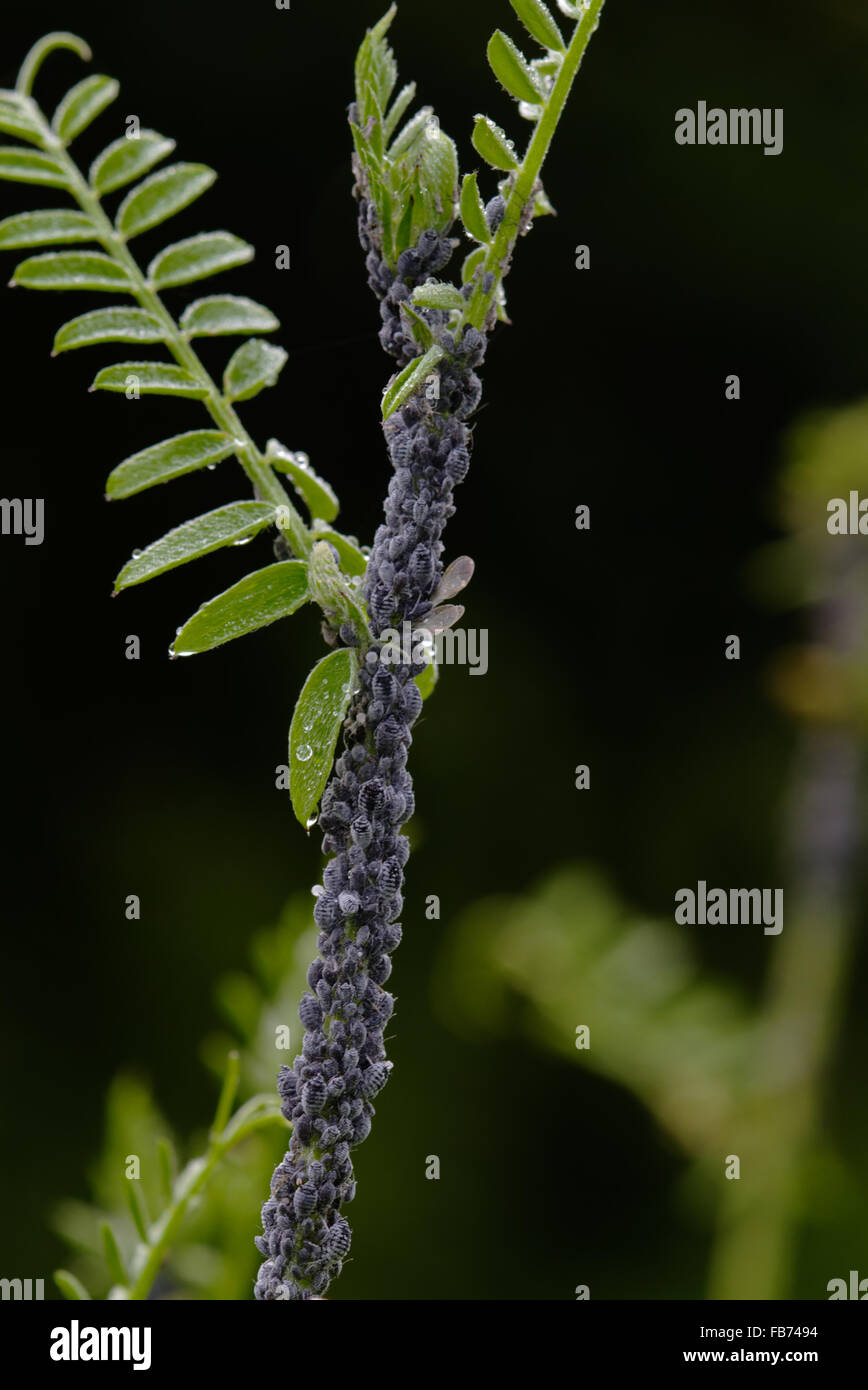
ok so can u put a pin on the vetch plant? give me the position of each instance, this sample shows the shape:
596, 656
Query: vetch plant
412, 207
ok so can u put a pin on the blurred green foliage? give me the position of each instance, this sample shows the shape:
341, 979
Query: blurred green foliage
215, 1257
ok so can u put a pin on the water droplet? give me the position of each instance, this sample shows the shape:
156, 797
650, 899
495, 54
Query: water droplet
317, 889
136, 554
245, 540
304, 752
311, 821
211, 467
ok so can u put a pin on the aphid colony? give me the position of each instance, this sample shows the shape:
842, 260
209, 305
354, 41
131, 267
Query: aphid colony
327, 1093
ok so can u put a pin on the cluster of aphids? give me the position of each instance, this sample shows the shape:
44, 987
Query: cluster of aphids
327, 1093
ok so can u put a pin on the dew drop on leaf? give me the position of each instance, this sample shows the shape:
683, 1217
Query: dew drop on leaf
303, 752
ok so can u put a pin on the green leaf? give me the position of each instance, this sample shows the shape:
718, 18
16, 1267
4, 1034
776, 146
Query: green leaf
338, 596
436, 294
420, 328
353, 561
112, 1254
14, 121
49, 43
253, 367
316, 723
226, 313
473, 210
70, 1286
126, 159
43, 228
183, 453
31, 166
539, 23
427, 679
82, 104
118, 325
151, 379
224, 526
436, 192
255, 601
399, 106
409, 380
318, 497
375, 68
490, 142
542, 207
136, 1204
476, 258
197, 257
407, 139
168, 1166
511, 69
71, 270
160, 196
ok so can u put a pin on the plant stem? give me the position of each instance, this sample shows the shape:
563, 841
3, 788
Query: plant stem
773, 1132
221, 411
500, 251
256, 1114
773, 1129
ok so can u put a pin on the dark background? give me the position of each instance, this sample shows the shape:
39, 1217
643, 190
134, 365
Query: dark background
605, 648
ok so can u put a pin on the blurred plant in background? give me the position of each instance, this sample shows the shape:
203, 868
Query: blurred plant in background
208, 1253
627, 997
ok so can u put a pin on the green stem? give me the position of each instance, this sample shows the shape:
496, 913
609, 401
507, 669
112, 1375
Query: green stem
773, 1129
752, 1252
221, 411
256, 1114
500, 251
